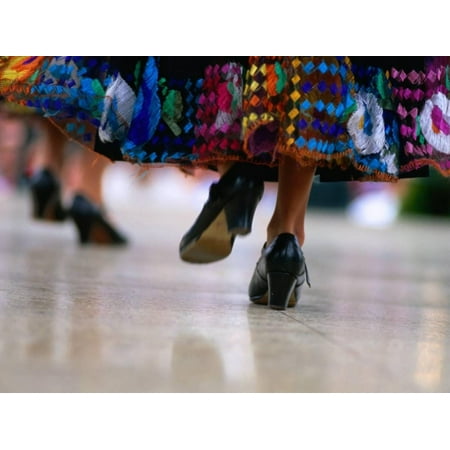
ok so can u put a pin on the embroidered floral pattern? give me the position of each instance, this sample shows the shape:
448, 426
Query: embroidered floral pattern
366, 125
219, 113
435, 122
117, 111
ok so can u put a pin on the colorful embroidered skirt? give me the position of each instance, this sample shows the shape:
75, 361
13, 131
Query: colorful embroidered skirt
353, 118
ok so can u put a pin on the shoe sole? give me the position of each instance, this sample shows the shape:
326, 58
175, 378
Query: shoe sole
100, 235
264, 300
214, 244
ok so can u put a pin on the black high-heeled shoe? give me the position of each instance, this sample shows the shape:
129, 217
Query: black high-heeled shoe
227, 213
279, 274
91, 224
46, 197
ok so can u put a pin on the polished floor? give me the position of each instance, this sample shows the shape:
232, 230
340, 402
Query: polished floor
137, 319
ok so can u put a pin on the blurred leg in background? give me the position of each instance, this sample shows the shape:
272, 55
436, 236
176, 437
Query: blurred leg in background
65, 182
65, 173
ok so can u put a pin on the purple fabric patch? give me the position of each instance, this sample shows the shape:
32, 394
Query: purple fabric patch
264, 138
439, 121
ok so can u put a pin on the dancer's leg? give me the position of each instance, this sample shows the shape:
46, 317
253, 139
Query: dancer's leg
84, 173
83, 179
47, 155
294, 187
48, 149
281, 270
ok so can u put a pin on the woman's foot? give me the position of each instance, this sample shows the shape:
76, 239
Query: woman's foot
228, 212
92, 226
46, 197
279, 274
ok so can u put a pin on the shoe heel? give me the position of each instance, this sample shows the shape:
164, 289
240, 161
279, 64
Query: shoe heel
45, 195
92, 226
240, 211
83, 225
281, 289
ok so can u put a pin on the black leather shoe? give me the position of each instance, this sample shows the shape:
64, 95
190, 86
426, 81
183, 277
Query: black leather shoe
228, 212
279, 274
46, 197
92, 225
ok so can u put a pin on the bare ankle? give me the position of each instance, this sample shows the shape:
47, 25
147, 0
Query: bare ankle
274, 231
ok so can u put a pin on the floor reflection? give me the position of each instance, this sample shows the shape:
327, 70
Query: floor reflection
433, 340
196, 365
88, 320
